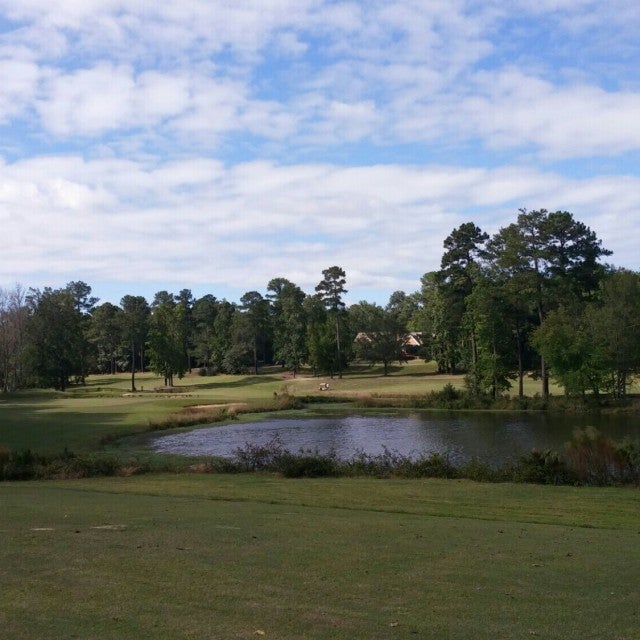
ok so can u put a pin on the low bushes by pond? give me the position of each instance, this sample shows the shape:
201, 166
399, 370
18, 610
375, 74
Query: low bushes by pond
457, 399
589, 459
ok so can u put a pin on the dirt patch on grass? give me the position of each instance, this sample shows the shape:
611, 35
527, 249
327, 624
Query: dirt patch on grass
227, 405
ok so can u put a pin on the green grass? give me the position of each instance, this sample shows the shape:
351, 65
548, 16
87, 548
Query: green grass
227, 557
79, 419
237, 556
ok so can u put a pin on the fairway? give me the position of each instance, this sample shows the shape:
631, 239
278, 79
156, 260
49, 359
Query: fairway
225, 557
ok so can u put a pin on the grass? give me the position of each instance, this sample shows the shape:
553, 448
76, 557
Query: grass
83, 417
255, 555
230, 557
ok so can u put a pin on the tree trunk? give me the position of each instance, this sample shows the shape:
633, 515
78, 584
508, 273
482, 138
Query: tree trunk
255, 355
133, 367
520, 367
545, 377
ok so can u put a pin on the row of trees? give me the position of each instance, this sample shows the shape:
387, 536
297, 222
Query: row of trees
54, 336
533, 298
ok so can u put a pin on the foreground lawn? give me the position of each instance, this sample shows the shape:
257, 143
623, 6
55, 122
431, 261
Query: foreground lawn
227, 557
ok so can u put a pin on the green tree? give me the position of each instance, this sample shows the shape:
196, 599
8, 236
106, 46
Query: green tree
614, 322
551, 259
105, 333
330, 290
496, 345
135, 327
55, 337
13, 327
321, 351
403, 307
222, 339
256, 312
459, 270
205, 310
365, 317
432, 321
186, 300
289, 322
241, 353
566, 341
166, 341
85, 304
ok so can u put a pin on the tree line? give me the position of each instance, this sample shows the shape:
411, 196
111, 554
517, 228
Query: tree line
533, 299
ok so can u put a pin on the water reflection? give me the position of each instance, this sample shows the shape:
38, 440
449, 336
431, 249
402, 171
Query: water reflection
491, 437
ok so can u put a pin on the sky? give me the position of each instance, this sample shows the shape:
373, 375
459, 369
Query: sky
216, 144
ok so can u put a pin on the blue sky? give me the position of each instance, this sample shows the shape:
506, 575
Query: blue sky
214, 145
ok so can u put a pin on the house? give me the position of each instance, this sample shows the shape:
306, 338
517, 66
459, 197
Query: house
411, 342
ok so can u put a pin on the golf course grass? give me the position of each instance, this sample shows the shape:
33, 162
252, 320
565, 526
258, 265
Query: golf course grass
226, 556
248, 556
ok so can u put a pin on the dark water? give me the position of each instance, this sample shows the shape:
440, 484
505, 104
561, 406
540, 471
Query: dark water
491, 437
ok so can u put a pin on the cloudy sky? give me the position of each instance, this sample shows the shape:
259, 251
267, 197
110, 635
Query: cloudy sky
216, 144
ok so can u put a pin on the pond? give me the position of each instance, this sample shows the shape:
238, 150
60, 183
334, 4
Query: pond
494, 438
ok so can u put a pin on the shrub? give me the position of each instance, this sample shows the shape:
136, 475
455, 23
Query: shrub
307, 465
479, 471
383, 465
541, 467
21, 465
628, 453
435, 465
260, 457
284, 401
597, 460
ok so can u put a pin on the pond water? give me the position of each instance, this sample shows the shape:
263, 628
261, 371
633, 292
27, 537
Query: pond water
491, 437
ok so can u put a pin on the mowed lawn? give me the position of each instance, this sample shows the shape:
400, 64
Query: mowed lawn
206, 556
79, 419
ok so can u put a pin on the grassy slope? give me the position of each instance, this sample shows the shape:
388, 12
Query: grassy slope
228, 556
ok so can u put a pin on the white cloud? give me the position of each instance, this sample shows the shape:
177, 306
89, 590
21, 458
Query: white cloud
192, 119
563, 122
400, 71
241, 226
19, 83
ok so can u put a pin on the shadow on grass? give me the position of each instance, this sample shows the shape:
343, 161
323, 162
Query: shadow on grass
45, 431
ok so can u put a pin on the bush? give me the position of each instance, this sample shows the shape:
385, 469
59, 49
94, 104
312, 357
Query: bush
383, 465
307, 465
479, 471
21, 465
595, 459
260, 457
285, 401
435, 465
541, 467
